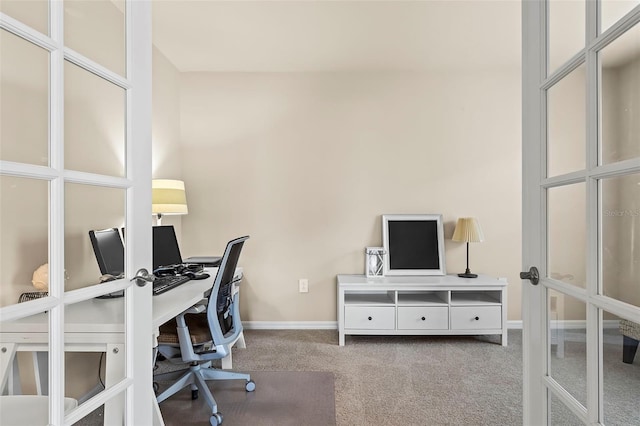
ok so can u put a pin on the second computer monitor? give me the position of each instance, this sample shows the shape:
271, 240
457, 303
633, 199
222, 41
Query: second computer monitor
109, 250
166, 251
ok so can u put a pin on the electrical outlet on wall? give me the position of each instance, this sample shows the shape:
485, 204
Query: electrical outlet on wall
303, 285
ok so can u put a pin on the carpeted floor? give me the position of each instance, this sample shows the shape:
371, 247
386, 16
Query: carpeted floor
403, 380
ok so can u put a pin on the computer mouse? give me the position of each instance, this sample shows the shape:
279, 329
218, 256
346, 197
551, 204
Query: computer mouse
201, 276
164, 271
189, 274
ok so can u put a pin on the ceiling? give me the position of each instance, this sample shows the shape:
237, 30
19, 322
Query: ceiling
337, 35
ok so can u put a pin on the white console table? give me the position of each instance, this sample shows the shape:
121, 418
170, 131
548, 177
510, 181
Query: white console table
422, 305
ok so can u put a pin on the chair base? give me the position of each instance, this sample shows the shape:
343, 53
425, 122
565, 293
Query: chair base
197, 376
629, 348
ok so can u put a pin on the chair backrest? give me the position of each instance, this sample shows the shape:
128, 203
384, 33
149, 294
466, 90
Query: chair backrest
223, 311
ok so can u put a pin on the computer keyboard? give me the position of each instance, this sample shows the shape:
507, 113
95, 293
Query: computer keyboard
168, 282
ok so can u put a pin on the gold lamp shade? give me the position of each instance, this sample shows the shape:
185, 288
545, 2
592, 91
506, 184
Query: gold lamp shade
468, 231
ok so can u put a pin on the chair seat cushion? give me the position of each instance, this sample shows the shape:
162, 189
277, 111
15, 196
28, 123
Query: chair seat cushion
630, 329
198, 329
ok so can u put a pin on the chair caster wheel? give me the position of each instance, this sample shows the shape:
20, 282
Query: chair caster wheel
250, 386
156, 387
194, 394
216, 419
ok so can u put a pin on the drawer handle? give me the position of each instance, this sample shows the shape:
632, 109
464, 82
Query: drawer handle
423, 319
369, 318
477, 318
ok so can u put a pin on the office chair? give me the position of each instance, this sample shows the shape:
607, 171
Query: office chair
198, 339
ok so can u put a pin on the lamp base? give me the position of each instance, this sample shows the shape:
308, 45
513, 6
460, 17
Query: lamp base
465, 275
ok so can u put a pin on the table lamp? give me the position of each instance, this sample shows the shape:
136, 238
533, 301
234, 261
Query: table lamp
468, 231
168, 197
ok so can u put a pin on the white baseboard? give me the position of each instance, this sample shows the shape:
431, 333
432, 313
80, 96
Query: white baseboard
333, 325
567, 324
290, 325
320, 325
514, 325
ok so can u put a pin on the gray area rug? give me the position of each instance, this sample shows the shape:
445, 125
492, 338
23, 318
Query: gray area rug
281, 398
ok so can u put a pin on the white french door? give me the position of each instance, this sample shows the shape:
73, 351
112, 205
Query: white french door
75, 144
581, 210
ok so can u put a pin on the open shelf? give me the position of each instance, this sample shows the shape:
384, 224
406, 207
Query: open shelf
470, 298
369, 298
424, 298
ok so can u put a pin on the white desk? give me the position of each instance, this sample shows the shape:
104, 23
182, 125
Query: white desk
97, 325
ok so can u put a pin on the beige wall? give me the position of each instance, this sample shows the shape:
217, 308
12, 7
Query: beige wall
306, 163
167, 152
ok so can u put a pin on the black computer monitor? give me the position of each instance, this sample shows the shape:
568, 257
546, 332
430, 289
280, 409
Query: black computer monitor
166, 251
109, 250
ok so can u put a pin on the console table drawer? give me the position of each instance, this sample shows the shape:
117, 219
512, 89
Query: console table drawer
423, 318
476, 317
370, 317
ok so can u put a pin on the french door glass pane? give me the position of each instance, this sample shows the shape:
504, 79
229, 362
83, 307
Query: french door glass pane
88, 208
620, 200
27, 369
94, 123
567, 332
34, 13
89, 373
612, 10
96, 29
566, 31
560, 415
566, 123
567, 237
620, 103
24, 104
24, 246
621, 380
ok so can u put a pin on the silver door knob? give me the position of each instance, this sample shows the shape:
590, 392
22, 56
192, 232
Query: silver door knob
532, 275
143, 277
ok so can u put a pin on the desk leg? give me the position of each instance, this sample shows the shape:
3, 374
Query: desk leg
41, 374
156, 415
114, 372
227, 362
240, 343
7, 357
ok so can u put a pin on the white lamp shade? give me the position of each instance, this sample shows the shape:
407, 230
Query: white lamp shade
168, 197
468, 231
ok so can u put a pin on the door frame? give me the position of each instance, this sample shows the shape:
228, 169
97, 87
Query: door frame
532, 300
